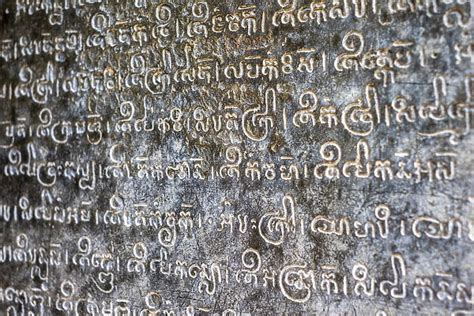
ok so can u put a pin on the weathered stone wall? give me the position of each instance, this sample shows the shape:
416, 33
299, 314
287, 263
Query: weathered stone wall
236, 157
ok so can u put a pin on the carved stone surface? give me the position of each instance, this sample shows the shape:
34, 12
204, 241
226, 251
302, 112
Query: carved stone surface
163, 157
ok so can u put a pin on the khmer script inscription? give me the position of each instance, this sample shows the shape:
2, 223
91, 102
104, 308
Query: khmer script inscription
263, 157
